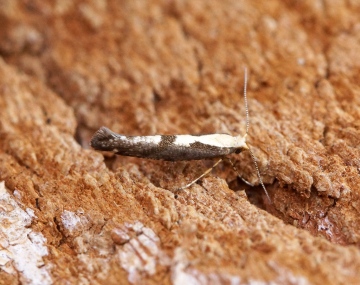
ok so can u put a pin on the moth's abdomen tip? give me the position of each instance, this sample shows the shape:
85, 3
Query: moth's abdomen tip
101, 138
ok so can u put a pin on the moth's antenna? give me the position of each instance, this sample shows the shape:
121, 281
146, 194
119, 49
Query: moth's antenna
247, 131
246, 102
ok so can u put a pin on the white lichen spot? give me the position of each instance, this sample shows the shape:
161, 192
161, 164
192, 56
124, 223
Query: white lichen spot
141, 254
137, 227
183, 273
325, 225
119, 236
70, 221
17, 194
21, 249
30, 212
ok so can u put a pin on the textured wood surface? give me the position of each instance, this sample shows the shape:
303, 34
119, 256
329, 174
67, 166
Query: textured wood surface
70, 215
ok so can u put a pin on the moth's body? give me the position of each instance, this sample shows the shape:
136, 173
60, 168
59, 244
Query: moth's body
169, 147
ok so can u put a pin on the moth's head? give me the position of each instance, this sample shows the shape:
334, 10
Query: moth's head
241, 143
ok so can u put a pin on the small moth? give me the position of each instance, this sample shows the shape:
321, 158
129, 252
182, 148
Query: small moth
178, 147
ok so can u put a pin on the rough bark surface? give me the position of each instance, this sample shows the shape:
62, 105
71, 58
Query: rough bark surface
70, 215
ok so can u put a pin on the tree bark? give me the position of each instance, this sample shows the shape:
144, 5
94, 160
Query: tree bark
69, 214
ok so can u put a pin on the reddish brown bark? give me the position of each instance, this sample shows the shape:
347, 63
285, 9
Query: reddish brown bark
151, 67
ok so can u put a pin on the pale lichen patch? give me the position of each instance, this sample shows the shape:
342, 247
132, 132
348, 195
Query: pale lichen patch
22, 249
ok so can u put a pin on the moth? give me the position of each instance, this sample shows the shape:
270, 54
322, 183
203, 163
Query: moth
178, 147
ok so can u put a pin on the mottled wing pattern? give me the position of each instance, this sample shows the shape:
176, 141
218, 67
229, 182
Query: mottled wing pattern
157, 147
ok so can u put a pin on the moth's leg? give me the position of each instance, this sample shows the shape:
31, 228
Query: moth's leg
237, 172
201, 176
